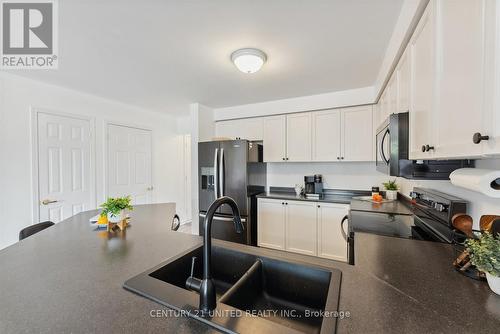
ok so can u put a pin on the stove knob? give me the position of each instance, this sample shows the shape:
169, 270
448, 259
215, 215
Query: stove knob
413, 195
439, 207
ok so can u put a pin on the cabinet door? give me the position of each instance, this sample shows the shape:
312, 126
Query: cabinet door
226, 129
274, 138
422, 47
301, 230
392, 95
251, 128
331, 242
460, 53
492, 80
271, 223
299, 137
403, 83
357, 134
326, 129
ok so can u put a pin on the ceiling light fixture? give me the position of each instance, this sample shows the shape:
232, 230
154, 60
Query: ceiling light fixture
248, 60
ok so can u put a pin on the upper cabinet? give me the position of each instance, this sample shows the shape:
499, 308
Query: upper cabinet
326, 135
274, 137
422, 49
298, 137
459, 77
246, 128
403, 77
357, 134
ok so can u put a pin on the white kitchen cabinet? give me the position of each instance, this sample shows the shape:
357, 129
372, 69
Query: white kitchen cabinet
246, 128
298, 137
327, 134
274, 138
331, 242
491, 108
392, 95
403, 79
312, 228
271, 223
301, 227
422, 48
357, 134
458, 114
384, 106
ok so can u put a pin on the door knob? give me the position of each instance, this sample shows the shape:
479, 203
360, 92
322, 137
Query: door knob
48, 201
477, 138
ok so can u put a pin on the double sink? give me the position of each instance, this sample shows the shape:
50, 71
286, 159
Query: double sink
254, 293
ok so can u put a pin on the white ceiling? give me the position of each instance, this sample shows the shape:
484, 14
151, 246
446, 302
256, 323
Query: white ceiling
165, 54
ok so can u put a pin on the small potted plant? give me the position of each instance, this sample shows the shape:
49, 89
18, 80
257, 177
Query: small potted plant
391, 190
485, 255
114, 208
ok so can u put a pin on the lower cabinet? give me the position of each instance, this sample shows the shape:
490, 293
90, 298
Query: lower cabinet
331, 242
301, 229
311, 228
271, 224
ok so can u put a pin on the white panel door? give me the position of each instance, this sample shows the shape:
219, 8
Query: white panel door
460, 54
357, 129
326, 128
301, 229
271, 223
63, 166
129, 163
274, 138
422, 47
299, 137
331, 242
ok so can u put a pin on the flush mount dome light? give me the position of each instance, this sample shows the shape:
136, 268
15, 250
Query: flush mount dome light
248, 60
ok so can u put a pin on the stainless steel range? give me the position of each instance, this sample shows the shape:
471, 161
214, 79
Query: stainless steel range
431, 220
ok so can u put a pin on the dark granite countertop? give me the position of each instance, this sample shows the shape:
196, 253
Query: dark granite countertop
69, 278
351, 197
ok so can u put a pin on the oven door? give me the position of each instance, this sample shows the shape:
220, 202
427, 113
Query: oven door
383, 145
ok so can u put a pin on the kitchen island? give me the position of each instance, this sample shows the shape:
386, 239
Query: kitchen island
69, 278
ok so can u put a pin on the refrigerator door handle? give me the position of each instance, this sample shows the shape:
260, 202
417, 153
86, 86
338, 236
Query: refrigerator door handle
221, 172
220, 218
216, 172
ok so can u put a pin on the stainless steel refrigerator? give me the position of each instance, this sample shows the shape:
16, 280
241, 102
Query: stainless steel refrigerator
231, 168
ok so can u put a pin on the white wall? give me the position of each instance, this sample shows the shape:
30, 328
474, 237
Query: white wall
343, 175
338, 99
479, 203
18, 94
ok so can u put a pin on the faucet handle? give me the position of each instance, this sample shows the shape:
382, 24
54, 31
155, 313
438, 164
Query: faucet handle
193, 283
193, 261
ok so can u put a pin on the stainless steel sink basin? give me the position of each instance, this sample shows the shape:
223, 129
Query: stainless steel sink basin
254, 293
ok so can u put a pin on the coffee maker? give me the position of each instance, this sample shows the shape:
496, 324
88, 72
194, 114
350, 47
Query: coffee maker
313, 186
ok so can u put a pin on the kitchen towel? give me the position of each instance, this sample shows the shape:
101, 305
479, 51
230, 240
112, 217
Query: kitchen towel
486, 181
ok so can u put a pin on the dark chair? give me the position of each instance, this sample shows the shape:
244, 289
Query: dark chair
30, 230
176, 222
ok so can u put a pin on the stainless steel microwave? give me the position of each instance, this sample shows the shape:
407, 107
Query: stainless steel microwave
392, 158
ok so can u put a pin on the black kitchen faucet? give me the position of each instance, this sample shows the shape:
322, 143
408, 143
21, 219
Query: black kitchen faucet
206, 287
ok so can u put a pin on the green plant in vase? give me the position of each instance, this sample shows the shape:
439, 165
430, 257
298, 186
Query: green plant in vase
114, 208
485, 255
391, 189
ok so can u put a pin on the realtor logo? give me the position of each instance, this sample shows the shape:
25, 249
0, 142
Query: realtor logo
29, 34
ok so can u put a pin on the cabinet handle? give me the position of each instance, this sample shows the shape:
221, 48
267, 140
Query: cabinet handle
287, 159
283, 158
427, 148
477, 138
319, 206
286, 203
338, 158
341, 158
282, 203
